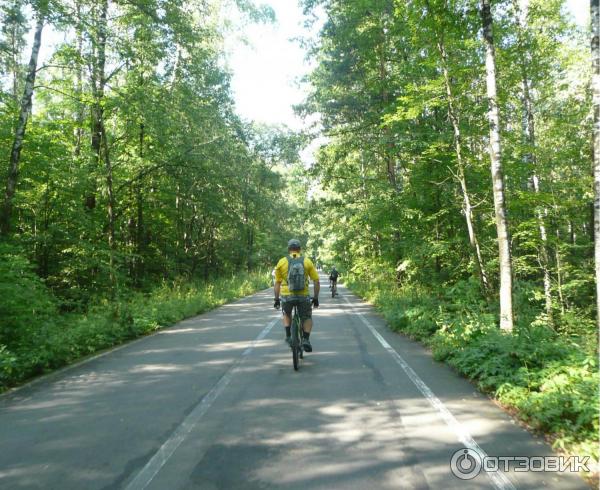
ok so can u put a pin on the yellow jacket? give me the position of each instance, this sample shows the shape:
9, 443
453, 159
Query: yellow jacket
281, 273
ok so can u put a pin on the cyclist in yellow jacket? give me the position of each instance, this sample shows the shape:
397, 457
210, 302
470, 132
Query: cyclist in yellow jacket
289, 293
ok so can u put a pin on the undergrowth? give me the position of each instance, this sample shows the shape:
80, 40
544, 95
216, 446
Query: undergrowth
36, 338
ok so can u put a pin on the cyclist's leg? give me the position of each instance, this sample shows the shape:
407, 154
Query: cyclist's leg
307, 325
286, 308
305, 312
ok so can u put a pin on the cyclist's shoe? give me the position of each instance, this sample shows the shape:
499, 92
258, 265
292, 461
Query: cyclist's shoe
288, 341
306, 345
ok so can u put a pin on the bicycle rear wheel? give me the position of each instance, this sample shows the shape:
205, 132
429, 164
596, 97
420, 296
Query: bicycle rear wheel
296, 354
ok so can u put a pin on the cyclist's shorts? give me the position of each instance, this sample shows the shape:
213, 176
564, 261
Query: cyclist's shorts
304, 306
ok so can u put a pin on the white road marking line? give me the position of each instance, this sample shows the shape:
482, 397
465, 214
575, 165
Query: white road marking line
164, 453
499, 480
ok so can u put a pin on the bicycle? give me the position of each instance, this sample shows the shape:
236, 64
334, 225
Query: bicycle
296, 340
334, 289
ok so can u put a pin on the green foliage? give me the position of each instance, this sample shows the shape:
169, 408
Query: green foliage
195, 193
135, 171
7, 366
181, 186
26, 304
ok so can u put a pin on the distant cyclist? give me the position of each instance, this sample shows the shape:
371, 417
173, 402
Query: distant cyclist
333, 277
292, 275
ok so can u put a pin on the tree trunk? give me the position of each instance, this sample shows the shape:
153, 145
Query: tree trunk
99, 137
98, 83
595, 48
467, 208
210, 249
588, 225
438, 237
16, 45
176, 67
530, 159
15, 65
249, 263
26, 105
540, 213
139, 238
559, 281
506, 313
43, 261
111, 205
388, 151
79, 83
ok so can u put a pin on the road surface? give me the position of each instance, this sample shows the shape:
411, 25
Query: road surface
214, 403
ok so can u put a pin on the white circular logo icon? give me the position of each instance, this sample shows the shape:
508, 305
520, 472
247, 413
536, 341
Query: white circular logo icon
465, 464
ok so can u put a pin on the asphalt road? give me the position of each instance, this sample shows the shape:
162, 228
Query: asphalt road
214, 403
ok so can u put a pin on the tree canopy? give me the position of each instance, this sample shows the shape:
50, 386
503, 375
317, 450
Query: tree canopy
133, 164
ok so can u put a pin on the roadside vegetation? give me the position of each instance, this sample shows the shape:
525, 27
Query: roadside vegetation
38, 338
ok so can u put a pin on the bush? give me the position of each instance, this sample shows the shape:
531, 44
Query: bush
7, 362
27, 305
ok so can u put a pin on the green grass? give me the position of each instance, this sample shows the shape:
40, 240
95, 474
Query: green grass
546, 379
47, 340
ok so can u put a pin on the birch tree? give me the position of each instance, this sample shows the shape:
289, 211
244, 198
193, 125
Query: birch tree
25, 111
506, 313
595, 48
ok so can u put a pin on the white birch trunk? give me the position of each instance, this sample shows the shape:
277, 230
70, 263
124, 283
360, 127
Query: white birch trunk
176, 65
559, 281
506, 314
79, 82
595, 47
26, 105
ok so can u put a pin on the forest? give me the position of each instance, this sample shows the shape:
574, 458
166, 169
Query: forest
129, 183
453, 185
